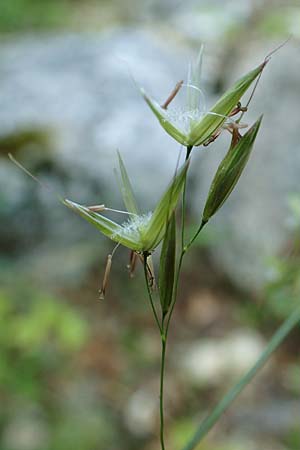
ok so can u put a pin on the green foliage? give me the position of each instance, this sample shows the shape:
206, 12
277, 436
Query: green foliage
292, 440
280, 22
292, 377
283, 290
20, 15
126, 188
84, 432
180, 432
40, 335
28, 137
37, 332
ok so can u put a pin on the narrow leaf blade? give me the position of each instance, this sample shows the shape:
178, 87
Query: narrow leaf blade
126, 188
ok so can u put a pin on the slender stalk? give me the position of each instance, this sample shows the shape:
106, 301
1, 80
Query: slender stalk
176, 284
161, 392
162, 328
149, 292
227, 400
163, 354
183, 217
165, 329
203, 223
188, 152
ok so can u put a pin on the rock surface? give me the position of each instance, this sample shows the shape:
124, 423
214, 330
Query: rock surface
211, 361
79, 90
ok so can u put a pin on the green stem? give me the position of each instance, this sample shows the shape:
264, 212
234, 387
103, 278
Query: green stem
149, 292
162, 329
226, 401
183, 217
203, 223
175, 291
163, 353
161, 393
188, 152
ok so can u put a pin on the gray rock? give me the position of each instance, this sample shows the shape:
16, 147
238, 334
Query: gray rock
276, 417
28, 430
209, 362
79, 89
210, 21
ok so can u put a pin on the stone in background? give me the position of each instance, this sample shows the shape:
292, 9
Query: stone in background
78, 88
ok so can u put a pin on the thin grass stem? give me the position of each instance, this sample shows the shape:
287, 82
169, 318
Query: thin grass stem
161, 393
203, 223
150, 293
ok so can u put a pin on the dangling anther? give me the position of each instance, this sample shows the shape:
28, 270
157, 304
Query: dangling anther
105, 278
151, 273
213, 137
132, 263
107, 273
239, 108
150, 270
236, 136
172, 95
96, 208
234, 128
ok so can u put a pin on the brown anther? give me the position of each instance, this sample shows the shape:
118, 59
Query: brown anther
236, 136
212, 138
105, 278
132, 263
239, 108
96, 208
233, 128
172, 95
151, 275
150, 270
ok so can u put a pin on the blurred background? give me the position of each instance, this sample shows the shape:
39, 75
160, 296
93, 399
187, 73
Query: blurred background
80, 374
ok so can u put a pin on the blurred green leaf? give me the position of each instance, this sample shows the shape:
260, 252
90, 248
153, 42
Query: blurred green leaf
20, 15
291, 322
